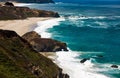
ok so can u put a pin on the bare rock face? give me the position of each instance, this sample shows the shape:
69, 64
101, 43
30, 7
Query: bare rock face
44, 44
31, 35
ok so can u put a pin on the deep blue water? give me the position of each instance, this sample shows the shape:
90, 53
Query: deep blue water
89, 29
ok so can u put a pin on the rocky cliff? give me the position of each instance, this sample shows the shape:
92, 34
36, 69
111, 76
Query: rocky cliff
8, 13
32, 1
19, 60
44, 44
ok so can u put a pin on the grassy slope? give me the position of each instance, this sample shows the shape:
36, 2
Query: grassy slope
16, 55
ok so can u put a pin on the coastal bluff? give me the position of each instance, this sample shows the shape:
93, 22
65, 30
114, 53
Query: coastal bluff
44, 44
19, 60
14, 12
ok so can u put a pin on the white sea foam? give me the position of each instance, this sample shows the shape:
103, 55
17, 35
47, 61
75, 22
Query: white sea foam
23, 4
42, 26
67, 60
74, 68
87, 17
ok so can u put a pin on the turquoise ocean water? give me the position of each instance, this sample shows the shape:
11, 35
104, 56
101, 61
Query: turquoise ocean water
90, 30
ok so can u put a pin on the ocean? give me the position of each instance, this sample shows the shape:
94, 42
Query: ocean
90, 31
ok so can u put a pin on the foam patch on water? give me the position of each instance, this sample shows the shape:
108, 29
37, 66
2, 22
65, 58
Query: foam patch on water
72, 66
42, 26
91, 17
23, 4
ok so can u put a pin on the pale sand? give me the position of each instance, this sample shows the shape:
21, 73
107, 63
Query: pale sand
21, 26
51, 55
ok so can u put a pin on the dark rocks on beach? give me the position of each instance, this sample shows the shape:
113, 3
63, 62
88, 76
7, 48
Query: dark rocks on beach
84, 60
44, 44
114, 66
9, 4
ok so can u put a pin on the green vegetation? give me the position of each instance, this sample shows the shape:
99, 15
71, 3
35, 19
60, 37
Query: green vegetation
18, 59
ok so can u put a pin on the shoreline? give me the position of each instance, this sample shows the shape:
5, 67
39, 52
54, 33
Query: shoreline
22, 26
30, 24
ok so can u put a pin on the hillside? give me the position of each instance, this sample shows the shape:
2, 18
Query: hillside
19, 60
9, 13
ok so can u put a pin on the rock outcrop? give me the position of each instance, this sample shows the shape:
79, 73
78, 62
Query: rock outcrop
19, 60
43, 44
114, 66
9, 4
84, 60
9, 13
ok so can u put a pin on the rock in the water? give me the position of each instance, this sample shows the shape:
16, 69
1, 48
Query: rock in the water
114, 66
9, 4
44, 44
61, 75
84, 60
100, 56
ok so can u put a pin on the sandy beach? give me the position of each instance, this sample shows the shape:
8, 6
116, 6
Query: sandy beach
21, 26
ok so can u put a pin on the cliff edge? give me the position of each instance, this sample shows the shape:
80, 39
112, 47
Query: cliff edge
19, 60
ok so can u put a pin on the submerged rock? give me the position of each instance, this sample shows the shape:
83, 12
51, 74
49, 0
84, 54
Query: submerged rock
100, 56
114, 66
84, 60
44, 44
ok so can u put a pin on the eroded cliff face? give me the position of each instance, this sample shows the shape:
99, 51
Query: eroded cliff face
19, 60
9, 13
44, 44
